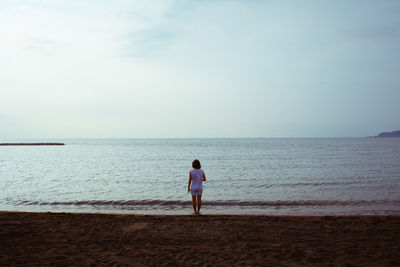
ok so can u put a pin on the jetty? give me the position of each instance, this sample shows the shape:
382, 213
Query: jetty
32, 144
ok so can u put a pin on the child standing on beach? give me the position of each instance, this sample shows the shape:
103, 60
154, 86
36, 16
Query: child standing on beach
195, 185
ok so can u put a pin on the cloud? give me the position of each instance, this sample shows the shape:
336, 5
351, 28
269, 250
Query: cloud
147, 68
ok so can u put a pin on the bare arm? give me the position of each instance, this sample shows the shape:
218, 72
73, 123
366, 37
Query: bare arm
190, 181
204, 177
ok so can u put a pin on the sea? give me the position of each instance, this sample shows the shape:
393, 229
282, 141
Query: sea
260, 176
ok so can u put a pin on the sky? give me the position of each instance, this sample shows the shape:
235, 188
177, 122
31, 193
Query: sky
177, 69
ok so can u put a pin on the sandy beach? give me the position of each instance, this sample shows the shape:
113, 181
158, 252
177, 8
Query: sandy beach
144, 240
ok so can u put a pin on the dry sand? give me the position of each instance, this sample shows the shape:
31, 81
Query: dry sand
98, 239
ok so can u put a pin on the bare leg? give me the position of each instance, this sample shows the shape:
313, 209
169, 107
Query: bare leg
194, 203
198, 204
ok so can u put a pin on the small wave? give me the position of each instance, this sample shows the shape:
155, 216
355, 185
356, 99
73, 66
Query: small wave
232, 203
315, 184
307, 184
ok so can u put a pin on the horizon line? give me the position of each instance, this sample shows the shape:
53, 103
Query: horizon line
93, 138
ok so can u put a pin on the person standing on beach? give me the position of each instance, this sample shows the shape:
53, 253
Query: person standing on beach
195, 185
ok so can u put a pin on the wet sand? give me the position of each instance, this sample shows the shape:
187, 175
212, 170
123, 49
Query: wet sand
141, 240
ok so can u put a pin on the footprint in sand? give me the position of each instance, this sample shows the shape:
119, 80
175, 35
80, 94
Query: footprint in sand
135, 227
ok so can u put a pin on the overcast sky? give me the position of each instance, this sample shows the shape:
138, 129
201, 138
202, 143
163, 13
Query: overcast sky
121, 69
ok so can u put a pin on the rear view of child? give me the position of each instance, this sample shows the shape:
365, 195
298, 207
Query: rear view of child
195, 185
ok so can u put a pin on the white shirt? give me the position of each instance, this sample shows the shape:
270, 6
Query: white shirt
197, 178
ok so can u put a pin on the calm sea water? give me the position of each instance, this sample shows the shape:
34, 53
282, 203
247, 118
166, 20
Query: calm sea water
244, 176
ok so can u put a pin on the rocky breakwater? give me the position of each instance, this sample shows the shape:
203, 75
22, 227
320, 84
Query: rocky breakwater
32, 144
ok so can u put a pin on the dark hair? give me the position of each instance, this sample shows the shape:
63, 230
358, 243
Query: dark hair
196, 164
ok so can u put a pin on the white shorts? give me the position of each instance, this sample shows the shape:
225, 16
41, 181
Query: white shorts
196, 191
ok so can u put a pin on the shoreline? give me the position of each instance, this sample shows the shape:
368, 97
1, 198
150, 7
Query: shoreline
191, 214
365, 210
31, 238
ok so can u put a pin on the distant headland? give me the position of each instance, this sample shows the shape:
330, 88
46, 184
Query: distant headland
389, 134
32, 144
